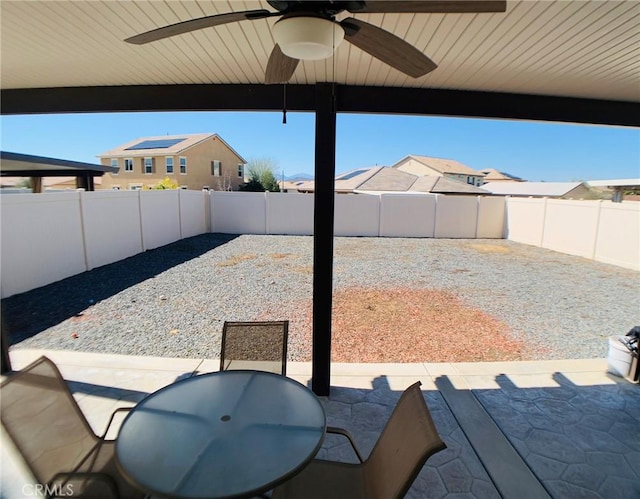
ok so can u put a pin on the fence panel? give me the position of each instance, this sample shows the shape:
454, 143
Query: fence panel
160, 215
111, 224
456, 217
290, 214
525, 220
618, 240
491, 217
41, 240
406, 215
571, 226
357, 215
238, 212
193, 212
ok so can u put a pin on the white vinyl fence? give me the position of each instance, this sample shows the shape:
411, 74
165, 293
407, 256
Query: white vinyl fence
599, 230
386, 215
48, 237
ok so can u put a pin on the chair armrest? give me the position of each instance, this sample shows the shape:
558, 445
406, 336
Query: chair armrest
63, 485
345, 433
113, 414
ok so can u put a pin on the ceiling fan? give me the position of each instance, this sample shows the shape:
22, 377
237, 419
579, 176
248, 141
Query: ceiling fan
308, 30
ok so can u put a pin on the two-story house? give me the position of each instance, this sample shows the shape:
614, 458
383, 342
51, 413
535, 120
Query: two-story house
193, 161
424, 165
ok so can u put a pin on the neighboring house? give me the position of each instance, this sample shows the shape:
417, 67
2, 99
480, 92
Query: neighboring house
345, 182
383, 180
564, 190
424, 165
493, 175
194, 161
289, 185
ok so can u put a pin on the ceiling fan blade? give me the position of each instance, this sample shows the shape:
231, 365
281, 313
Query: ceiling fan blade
196, 24
280, 67
430, 6
387, 47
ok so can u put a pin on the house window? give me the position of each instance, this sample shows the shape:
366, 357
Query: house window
470, 180
115, 188
114, 164
128, 165
184, 187
168, 163
183, 165
135, 187
216, 166
148, 165
240, 170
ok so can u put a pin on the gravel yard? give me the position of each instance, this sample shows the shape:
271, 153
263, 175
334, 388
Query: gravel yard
395, 300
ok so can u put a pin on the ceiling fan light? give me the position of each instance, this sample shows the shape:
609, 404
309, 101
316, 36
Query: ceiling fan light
307, 38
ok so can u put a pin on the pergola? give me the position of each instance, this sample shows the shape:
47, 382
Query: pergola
26, 165
576, 62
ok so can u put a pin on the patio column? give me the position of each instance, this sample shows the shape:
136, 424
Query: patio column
36, 185
325, 168
85, 182
5, 360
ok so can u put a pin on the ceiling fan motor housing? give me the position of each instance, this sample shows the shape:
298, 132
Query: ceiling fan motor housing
307, 37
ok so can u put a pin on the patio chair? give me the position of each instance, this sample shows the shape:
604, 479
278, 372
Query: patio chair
407, 441
55, 439
260, 346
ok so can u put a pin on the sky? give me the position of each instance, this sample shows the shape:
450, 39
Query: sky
535, 151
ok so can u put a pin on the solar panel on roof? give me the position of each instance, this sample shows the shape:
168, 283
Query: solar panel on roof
352, 174
154, 144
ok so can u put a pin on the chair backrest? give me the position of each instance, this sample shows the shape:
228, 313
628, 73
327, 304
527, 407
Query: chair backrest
407, 441
44, 421
261, 346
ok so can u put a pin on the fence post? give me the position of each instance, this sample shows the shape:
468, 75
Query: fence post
594, 247
266, 213
82, 229
544, 221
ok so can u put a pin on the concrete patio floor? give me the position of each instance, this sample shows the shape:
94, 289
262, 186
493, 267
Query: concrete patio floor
562, 429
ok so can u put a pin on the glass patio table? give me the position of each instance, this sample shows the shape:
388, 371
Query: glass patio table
224, 434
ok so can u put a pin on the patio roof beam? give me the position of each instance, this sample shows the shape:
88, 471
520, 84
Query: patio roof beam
355, 99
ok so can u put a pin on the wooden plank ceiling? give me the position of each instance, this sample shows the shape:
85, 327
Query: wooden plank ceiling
577, 48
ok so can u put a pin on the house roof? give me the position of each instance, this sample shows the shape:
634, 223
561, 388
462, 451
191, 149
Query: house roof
550, 189
491, 174
381, 179
442, 165
14, 164
394, 180
163, 145
344, 182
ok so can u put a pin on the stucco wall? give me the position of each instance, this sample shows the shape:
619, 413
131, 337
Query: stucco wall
414, 167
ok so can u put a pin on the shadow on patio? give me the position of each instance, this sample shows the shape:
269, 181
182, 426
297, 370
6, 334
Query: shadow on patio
513, 429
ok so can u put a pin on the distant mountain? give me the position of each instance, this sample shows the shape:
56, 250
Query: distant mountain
298, 176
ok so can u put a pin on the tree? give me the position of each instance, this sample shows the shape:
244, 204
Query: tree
261, 176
